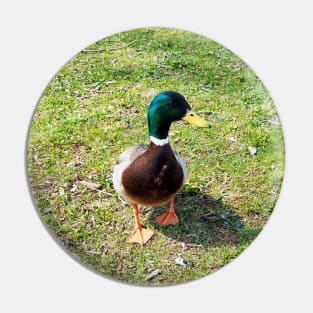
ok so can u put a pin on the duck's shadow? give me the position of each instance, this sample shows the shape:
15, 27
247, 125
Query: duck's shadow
203, 220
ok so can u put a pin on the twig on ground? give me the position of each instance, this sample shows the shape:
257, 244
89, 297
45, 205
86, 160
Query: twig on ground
105, 192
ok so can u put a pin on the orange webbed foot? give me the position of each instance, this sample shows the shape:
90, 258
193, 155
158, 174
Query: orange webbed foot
168, 218
140, 235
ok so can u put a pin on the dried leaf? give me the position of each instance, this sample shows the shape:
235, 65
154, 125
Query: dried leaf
92, 221
181, 261
47, 210
252, 150
93, 252
133, 110
153, 274
211, 216
84, 245
90, 185
233, 139
74, 188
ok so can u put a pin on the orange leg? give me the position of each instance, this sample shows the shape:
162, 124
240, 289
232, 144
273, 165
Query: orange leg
139, 235
168, 217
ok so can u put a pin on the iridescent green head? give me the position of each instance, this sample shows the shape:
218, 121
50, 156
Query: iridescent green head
167, 107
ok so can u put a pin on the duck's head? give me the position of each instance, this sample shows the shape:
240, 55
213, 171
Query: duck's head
167, 107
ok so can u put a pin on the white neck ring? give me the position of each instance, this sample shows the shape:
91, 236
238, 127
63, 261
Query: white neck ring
159, 142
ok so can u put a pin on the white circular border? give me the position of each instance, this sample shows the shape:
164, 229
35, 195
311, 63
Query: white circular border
273, 39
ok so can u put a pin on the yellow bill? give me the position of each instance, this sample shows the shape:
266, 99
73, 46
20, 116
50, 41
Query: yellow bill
194, 119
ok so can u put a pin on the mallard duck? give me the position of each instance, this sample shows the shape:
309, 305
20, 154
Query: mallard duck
152, 174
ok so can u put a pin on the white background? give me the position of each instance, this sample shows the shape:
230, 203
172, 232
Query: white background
274, 38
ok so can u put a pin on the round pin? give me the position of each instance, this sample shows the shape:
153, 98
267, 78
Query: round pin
155, 156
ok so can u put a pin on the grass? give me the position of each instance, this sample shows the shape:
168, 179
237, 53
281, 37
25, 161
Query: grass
95, 108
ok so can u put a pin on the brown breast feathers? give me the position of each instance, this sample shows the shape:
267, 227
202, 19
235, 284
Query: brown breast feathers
154, 177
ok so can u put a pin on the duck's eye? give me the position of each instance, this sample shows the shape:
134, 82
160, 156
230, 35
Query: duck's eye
171, 104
